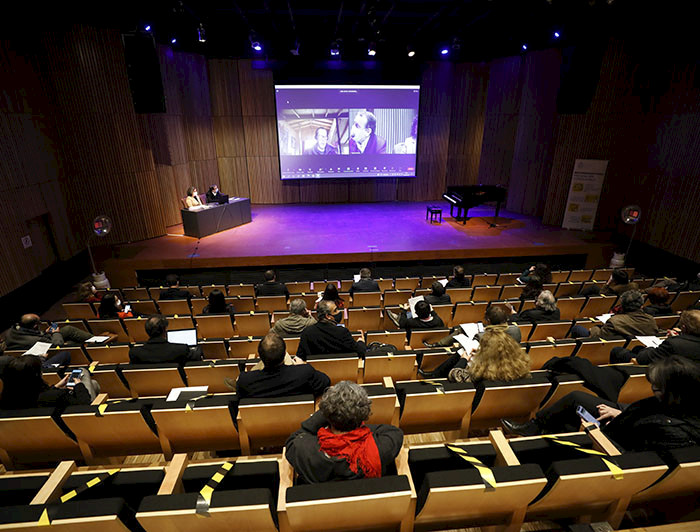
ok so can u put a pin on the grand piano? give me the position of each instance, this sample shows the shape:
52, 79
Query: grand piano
466, 197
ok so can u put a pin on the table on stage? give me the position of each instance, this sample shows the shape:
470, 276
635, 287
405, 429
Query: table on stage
213, 218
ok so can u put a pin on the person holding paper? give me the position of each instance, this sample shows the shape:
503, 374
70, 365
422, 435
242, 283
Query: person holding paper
26, 333
365, 283
157, 350
633, 321
668, 420
685, 344
424, 318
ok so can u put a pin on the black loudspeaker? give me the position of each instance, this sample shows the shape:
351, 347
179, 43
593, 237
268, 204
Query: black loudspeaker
579, 74
143, 70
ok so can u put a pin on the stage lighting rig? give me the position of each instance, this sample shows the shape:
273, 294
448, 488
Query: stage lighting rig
201, 33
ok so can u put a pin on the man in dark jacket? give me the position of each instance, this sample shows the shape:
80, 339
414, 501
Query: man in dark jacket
459, 280
425, 318
438, 295
277, 379
157, 350
327, 336
335, 443
685, 344
174, 291
365, 284
271, 287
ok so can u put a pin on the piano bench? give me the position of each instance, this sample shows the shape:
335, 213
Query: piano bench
434, 212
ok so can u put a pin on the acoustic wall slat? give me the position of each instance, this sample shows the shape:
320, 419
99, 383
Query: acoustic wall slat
265, 183
233, 176
533, 149
170, 198
501, 121
257, 89
224, 87
229, 136
260, 136
312, 191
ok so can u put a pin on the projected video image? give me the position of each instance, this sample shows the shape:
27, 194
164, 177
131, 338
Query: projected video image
357, 140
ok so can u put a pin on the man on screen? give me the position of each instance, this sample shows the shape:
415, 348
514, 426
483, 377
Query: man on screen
321, 147
363, 138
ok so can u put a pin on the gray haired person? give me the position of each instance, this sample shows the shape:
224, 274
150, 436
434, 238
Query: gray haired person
545, 310
630, 321
336, 444
299, 319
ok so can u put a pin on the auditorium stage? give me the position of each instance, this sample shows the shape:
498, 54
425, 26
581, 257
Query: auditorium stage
353, 232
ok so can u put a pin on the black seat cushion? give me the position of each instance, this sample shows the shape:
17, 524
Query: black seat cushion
17, 490
132, 486
262, 474
430, 459
348, 488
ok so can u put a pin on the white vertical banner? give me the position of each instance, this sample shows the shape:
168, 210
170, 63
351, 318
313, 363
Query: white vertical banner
584, 194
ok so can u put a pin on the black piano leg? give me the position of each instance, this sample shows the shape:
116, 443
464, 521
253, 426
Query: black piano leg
498, 208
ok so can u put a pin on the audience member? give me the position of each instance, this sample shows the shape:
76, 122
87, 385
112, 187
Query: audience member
540, 270
498, 358
458, 280
24, 387
277, 379
111, 308
618, 284
632, 321
331, 294
299, 319
271, 287
327, 336
658, 299
365, 284
87, 293
494, 320
545, 310
438, 295
174, 291
532, 289
335, 443
23, 335
494, 317
217, 304
425, 318
157, 350
685, 344
668, 420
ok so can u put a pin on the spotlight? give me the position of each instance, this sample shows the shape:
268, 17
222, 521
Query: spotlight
147, 27
556, 35
201, 34
372, 50
173, 40
256, 46
335, 49
411, 53
524, 46
444, 51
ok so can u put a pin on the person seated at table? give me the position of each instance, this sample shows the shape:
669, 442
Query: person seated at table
437, 296
192, 198
174, 291
157, 350
658, 299
336, 444
217, 304
111, 308
213, 194
277, 379
545, 310
330, 293
87, 293
24, 387
668, 420
458, 280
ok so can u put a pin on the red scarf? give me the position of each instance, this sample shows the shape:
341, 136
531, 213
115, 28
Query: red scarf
357, 447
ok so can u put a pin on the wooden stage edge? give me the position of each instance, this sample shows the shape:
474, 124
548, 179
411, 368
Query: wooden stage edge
282, 235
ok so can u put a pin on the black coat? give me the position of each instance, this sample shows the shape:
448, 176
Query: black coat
458, 283
364, 285
174, 293
435, 322
685, 345
313, 465
281, 381
536, 315
271, 288
605, 382
659, 310
438, 300
160, 351
324, 338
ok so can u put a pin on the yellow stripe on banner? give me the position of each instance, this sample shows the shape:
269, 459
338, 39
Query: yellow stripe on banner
92, 482
227, 466
44, 519
68, 496
218, 477
485, 473
614, 469
206, 493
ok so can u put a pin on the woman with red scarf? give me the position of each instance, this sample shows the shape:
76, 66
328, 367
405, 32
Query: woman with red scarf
335, 443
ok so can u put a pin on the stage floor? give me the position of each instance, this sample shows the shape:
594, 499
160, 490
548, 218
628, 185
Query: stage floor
354, 232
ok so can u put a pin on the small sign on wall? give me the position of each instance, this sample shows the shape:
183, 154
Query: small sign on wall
27, 241
584, 194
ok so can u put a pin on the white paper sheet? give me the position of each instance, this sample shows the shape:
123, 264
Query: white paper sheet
471, 329
97, 339
356, 277
650, 341
175, 392
38, 349
412, 304
468, 344
443, 282
604, 317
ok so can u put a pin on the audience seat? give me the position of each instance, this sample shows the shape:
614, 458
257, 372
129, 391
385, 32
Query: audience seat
243, 290
216, 325
384, 284
299, 287
459, 295
271, 303
144, 307
399, 366
212, 373
485, 279
207, 289
214, 349
562, 385
113, 326
445, 312
111, 383
364, 319
508, 278
406, 283
338, 367
109, 354
468, 313
136, 329
251, 324
431, 358
570, 307
396, 338
172, 307
684, 300
636, 386
417, 336
135, 293
580, 275
269, 422
511, 292
79, 311
367, 299
597, 305
241, 304
681, 479
560, 276
666, 322
597, 351
243, 347
602, 274
541, 352
149, 380
544, 330
385, 404
567, 289
394, 298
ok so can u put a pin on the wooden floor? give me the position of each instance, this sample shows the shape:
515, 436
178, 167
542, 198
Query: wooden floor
343, 233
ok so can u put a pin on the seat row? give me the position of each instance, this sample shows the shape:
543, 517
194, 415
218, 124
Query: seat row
217, 422
430, 487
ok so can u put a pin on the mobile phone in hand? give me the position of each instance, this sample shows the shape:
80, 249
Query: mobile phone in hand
127, 308
75, 374
585, 415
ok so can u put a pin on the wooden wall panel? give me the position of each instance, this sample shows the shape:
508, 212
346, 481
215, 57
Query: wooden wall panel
233, 176
257, 89
224, 87
229, 136
260, 136
533, 149
265, 183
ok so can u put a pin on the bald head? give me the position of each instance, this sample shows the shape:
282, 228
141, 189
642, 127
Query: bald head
30, 321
